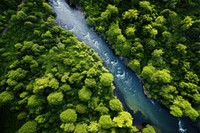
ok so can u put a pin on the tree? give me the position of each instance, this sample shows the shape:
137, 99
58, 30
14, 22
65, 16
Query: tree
47, 7
124, 119
146, 6
91, 72
191, 77
55, 98
149, 30
53, 83
131, 14
65, 87
84, 94
17, 74
189, 88
80, 108
106, 122
6, 97
110, 12
126, 50
130, 31
106, 79
81, 128
102, 109
187, 22
161, 76
28, 127
113, 32
93, 127
176, 111
148, 129
167, 92
40, 84
185, 107
157, 59
68, 127
181, 49
148, 71
68, 116
115, 105
35, 101
90, 82
75, 78
135, 65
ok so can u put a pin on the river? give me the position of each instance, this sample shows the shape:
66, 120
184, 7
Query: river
145, 110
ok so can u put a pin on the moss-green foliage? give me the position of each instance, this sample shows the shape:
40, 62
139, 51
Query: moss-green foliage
68, 116
160, 40
28, 127
115, 105
49, 80
148, 129
106, 122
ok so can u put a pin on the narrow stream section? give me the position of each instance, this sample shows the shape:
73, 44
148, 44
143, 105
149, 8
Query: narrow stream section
146, 110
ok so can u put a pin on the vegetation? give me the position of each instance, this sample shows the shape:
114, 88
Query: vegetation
160, 40
50, 82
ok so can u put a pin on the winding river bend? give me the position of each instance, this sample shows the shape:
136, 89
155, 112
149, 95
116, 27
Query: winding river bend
147, 110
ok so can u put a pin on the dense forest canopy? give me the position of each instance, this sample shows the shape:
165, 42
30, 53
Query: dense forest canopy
50, 82
160, 41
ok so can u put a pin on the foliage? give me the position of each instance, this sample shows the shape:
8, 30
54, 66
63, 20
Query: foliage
148, 129
68, 116
106, 79
124, 119
49, 80
28, 127
160, 42
106, 122
115, 105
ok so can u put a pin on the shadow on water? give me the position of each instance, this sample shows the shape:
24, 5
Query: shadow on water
131, 93
138, 119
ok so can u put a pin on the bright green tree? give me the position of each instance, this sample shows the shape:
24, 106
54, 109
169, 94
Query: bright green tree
148, 129
81, 128
106, 122
68, 116
106, 79
115, 105
124, 119
84, 94
28, 127
6, 97
55, 98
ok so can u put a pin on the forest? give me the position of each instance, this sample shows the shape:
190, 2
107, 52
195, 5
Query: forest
50, 82
160, 41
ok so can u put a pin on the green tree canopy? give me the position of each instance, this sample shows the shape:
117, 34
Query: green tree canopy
131, 14
68, 116
162, 76
55, 98
93, 127
28, 127
84, 94
115, 105
80, 108
148, 71
124, 119
68, 127
106, 122
81, 128
6, 97
148, 129
106, 79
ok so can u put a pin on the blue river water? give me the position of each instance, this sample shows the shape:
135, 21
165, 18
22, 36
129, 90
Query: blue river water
130, 86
